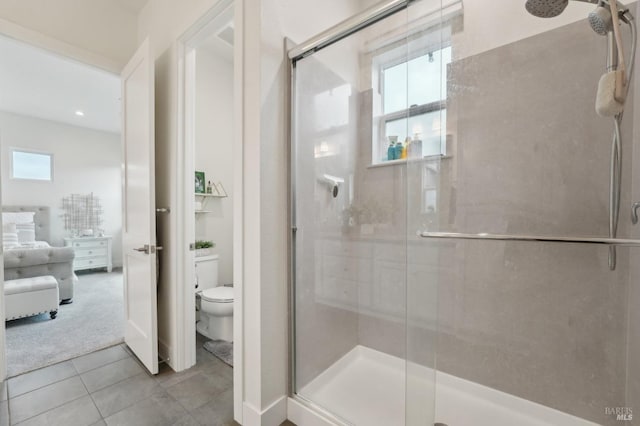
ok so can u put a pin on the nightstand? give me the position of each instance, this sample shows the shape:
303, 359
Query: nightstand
91, 252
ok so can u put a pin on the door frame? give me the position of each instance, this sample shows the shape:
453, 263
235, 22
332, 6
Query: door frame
186, 329
63, 50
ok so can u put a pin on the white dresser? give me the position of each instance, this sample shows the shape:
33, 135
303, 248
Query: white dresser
91, 252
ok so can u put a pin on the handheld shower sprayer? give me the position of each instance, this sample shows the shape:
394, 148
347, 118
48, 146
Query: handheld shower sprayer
333, 183
613, 87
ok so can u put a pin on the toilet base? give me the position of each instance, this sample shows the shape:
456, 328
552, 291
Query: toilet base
215, 328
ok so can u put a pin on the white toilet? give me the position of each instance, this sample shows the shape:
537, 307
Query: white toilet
215, 303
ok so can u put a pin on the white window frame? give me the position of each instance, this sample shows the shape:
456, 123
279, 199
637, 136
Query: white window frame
412, 110
31, 151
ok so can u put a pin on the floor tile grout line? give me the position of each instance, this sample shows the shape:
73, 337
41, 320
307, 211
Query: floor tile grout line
74, 369
138, 402
43, 386
111, 384
50, 409
93, 401
103, 365
124, 408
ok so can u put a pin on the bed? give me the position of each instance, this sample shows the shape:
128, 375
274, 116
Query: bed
40, 259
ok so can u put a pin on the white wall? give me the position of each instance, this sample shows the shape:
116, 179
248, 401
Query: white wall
488, 25
214, 152
85, 161
102, 29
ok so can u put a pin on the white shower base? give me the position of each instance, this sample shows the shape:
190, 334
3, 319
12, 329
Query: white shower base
368, 388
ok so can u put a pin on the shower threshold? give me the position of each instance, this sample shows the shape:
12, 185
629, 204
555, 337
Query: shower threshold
368, 387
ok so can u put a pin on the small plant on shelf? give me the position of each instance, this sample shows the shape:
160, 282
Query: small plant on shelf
203, 248
201, 244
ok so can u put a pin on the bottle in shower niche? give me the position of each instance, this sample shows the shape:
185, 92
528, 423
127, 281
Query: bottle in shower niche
391, 151
406, 151
399, 149
416, 147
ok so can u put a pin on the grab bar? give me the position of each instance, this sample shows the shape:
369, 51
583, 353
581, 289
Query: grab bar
532, 238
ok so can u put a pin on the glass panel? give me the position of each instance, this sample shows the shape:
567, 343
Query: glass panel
31, 165
424, 127
411, 82
350, 243
542, 333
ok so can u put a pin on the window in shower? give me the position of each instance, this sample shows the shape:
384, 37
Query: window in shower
413, 93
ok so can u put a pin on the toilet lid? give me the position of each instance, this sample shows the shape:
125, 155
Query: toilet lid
218, 294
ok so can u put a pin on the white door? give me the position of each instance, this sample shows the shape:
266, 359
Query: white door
139, 208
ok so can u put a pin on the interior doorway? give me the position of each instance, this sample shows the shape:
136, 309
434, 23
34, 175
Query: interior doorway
62, 209
212, 170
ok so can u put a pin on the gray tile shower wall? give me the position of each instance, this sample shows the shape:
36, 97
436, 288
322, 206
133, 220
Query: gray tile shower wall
545, 322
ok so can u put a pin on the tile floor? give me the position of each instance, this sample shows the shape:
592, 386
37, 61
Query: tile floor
110, 387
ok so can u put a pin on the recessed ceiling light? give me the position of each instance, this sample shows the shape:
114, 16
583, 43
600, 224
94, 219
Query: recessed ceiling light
80, 113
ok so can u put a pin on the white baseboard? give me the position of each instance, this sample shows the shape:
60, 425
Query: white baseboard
273, 415
302, 415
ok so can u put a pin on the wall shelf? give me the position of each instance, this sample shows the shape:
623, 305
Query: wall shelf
211, 195
203, 211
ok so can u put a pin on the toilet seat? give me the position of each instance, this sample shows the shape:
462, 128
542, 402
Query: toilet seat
218, 295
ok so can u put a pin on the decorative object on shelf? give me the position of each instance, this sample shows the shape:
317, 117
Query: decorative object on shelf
82, 214
391, 150
209, 188
200, 183
220, 190
203, 248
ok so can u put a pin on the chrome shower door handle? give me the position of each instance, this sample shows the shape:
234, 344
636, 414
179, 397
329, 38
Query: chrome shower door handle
634, 212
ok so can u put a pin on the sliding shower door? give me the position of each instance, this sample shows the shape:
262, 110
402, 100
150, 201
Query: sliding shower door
368, 113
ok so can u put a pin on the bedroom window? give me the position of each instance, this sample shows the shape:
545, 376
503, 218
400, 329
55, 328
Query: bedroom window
31, 165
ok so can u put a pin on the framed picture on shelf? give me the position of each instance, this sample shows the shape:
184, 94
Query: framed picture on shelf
200, 183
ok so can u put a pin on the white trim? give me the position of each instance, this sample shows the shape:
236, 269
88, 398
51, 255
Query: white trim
273, 415
238, 211
3, 348
186, 214
42, 41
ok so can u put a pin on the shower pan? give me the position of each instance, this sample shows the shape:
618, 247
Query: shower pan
465, 281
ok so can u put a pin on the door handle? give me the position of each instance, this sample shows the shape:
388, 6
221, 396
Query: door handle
634, 212
146, 249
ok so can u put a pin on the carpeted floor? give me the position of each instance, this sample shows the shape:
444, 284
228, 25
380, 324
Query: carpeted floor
93, 321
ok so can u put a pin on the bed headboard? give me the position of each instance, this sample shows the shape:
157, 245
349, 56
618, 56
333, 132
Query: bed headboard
41, 219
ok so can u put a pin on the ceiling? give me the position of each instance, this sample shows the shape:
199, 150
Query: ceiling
36, 83
134, 6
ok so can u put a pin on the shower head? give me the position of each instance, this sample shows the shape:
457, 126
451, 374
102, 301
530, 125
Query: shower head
600, 20
552, 8
546, 8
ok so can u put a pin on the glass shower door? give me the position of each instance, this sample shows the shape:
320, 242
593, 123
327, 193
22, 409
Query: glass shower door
367, 114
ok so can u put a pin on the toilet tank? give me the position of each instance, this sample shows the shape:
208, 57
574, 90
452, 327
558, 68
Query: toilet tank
206, 272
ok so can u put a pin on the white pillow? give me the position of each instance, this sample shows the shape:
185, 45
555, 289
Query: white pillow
9, 240
18, 217
9, 227
26, 232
